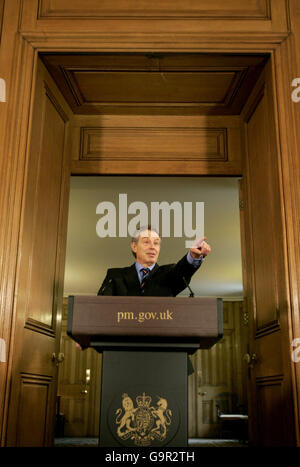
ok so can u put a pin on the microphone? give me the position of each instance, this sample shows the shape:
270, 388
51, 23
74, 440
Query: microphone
187, 285
104, 287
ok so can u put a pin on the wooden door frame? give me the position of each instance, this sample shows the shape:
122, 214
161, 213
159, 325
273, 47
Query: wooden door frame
27, 47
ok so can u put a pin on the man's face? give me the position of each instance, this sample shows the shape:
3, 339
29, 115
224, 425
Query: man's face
147, 248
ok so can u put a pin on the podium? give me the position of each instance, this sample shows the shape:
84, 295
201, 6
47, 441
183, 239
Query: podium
146, 343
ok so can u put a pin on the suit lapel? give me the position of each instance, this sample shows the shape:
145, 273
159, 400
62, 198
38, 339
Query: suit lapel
154, 270
131, 278
148, 284
150, 276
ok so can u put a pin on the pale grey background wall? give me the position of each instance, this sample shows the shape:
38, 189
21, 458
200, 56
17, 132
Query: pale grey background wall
89, 256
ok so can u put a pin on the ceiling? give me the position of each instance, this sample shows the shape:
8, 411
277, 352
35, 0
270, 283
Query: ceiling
155, 83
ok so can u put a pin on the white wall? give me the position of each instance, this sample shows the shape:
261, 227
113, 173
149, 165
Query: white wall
89, 256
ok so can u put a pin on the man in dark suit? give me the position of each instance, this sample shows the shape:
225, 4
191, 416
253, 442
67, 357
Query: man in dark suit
146, 277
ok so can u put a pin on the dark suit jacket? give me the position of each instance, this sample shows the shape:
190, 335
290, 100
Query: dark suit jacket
163, 281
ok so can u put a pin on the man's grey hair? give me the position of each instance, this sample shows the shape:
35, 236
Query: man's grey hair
137, 233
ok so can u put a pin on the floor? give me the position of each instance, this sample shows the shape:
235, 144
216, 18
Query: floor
193, 442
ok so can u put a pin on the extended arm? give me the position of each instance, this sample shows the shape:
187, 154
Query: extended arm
182, 272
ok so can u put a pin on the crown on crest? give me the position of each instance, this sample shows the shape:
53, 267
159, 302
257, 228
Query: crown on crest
143, 401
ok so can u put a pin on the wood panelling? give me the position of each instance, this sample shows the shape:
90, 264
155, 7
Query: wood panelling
208, 411
270, 361
209, 144
266, 219
158, 143
1, 16
270, 393
288, 68
9, 204
252, 9
40, 271
106, 88
219, 369
266, 288
156, 17
23, 34
176, 84
34, 400
44, 211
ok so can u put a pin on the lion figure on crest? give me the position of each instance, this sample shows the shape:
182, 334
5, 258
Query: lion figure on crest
128, 416
162, 417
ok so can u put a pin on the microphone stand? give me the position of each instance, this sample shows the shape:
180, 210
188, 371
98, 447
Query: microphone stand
187, 285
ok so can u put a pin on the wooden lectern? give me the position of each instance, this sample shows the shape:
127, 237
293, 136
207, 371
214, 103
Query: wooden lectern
145, 343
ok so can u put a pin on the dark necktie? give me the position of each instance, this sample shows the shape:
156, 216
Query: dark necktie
146, 272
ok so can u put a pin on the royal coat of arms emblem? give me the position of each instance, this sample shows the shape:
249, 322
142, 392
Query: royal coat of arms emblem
144, 423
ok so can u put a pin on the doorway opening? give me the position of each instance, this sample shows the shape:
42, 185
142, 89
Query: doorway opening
91, 250
140, 114
103, 123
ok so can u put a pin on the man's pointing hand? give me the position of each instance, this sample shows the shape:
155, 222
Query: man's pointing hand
200, 248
